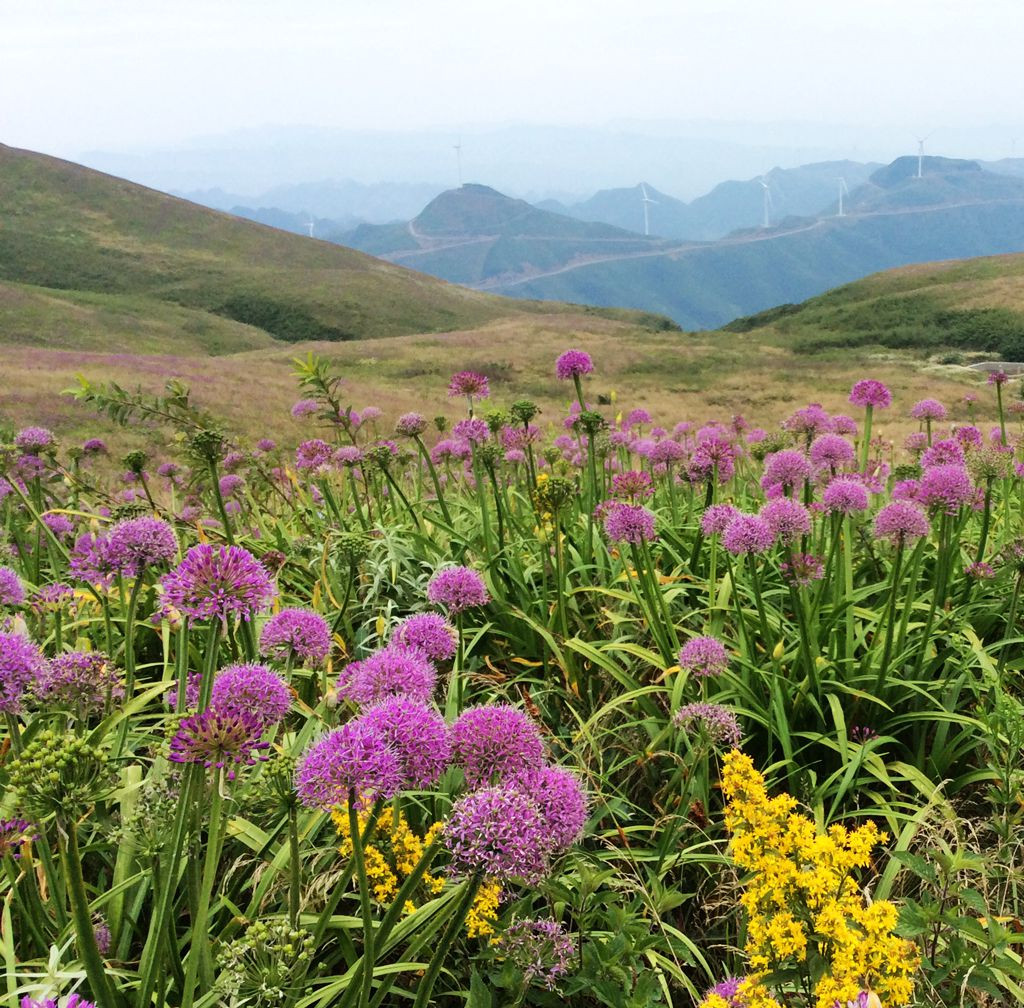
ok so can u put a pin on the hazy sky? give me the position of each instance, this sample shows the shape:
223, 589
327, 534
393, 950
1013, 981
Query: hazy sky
124, 74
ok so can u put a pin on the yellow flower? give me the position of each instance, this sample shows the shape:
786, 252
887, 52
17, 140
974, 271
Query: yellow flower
484, 911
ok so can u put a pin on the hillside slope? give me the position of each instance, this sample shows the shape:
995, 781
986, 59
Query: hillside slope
972, 305
68, 228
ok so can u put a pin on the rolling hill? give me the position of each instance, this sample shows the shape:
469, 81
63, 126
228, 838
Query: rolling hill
474, 234
83, 252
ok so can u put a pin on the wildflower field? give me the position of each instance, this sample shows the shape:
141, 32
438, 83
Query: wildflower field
589, 709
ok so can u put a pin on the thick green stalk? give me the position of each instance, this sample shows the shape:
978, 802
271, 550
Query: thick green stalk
890, 621
365, 908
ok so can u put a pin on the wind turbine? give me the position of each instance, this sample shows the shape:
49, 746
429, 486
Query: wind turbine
767, 194
646, 201
843, 191
310, 224
458, 157
920, 153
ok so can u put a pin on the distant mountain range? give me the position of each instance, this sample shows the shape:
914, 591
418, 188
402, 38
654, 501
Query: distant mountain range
477, 236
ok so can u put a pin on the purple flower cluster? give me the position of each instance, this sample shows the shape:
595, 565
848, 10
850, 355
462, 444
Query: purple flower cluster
629, 523
869, 392
718, 722
457, 589
560, 797
12, 593
22, 665
72, 1001
430, 633
214, 582
784, 471
747, 534
84, 681
540, 949
14, 834
901, 523
845, 496
788, 519
314, 454
716, 519
218, 738
410, 425
137, 543
704, 656
573, 364
928, 409
832, 452
468, 383
729, 991
395, 670
945, 488
254, 689
418, 736
33, 440
352, 758
296, 633
494, 742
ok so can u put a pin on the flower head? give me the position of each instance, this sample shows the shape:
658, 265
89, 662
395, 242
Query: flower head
252, 688
830, 451
495, 741
411, 424
901, 522
395, 670
21, 666
704, 656
34, 440
355, 757
137, 543
430, 633
540, 949
719, 722
500, 833
945, 488
629, 523
560, 797
716, 519
997, 377
469, 383
305, 408
457, 589
218, 581
869, 392
748, 534
12, 593
296, 633
928, 409
787, 518
315, 454
573, 364
80, 680
218, 738
14, 834
785, 470
845, 496
417, 734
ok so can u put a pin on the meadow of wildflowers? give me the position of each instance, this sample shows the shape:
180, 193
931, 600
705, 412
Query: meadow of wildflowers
596, 709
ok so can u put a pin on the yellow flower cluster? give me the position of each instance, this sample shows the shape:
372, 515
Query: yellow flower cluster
393, 856
803, 903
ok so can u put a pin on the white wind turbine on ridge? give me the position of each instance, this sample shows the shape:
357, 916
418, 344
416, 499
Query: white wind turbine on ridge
646, 201
768, 206
843, 191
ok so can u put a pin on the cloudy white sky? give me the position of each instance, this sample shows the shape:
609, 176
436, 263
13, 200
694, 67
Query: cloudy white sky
126, 74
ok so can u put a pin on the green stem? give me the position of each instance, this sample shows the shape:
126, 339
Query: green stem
365, 908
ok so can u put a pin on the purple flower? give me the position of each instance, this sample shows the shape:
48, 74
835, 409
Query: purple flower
499, 833
495, 741
417, 734
395, 670
869, 392
468, 383
809, 421
473, 431
785, 470
802, 569
747, 534
945, 488
296, 633
91, 561
716, 519
560, 797
137, 543
430, 633
60, 525
230, 484
634, 485
928, 409
52, 597
266, 445
900, 523
80, 680
313, 454
945, 452
94, 446
11, 591
704, 656
72, 1001
355, 757
218, 738
253, 689
218, 581
348, 456
830, 451
998, 377
573, 364
305, 408
14, 834
540, 949
980, 571
457, 589
33, 440
21, 666
629, 523
788, 519
411, 425
845, 496
916, 442
719, 722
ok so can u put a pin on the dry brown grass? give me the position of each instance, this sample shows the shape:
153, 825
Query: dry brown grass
675, 376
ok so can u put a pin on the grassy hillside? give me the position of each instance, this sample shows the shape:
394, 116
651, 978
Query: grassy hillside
71, 229
975, 305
